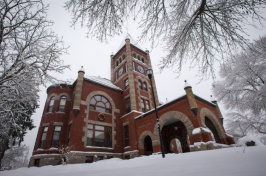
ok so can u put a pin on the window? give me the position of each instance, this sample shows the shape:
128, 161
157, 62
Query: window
117, 63
69, 132
142, 59
126, 84
56, 136
134, 66
44, 134
120, 59
99, 136
138, 57
100, 103
88, 159
124, 56
142, 105
128, 108
126, 135
126, 67
147, 105
134, 56
37, 162
140, 84
51, 104
145, 86
62, 104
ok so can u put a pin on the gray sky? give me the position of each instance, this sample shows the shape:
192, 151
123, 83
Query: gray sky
94, 56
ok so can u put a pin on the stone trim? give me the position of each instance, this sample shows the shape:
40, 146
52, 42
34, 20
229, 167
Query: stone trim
174, 115
58, 123
206, 112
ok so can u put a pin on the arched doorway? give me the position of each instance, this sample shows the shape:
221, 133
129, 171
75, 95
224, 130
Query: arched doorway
211, 126
148, 145
173, 131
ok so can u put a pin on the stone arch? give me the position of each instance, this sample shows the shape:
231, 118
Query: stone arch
207, 113
52, 95
174, 115
64, 94
142, 137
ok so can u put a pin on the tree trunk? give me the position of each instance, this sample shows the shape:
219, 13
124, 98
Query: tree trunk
4, 146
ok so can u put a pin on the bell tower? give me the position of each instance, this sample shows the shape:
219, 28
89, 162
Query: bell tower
128, 71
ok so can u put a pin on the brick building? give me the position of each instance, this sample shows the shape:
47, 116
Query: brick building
95, 118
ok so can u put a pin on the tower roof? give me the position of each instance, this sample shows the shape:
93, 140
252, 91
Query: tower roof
132, 41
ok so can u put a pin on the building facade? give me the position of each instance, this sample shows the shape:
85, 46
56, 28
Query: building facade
95, 118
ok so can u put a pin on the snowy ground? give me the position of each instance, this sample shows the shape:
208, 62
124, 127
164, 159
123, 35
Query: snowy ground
237, 161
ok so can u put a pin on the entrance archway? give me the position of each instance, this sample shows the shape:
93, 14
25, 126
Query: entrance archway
211, 126
148, 145
174, 129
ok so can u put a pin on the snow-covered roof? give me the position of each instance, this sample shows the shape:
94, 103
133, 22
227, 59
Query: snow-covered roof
102, 81
132, 41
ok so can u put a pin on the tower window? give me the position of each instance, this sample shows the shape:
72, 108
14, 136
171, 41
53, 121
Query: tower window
142, 105
99, 136
142, 60
100, 103
126, 135
62, 104
120, 59
140, 84
56, 137
134, 66
117, 63
51, 104
147, 105
128, 109
126, 84
124, 56
145, 86
44, 134
138, 57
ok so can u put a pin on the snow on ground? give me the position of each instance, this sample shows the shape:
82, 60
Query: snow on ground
236, 161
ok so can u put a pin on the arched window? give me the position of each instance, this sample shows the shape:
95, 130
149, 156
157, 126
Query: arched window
100, 103
143, 60
138, 57
124, 56
62, 104
145, 86
51, 104
117, 63
120, 59
134, 56
140, 84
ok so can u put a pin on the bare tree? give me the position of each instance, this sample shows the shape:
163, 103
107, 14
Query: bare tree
243, 88
198, 31
66, 153
29, 55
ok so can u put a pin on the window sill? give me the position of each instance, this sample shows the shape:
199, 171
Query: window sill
127, 147
60, 112
95, 147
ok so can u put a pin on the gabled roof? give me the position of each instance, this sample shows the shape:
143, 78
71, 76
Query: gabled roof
102, 81
132, 42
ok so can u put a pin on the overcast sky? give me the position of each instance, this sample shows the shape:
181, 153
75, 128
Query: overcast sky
94, 56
